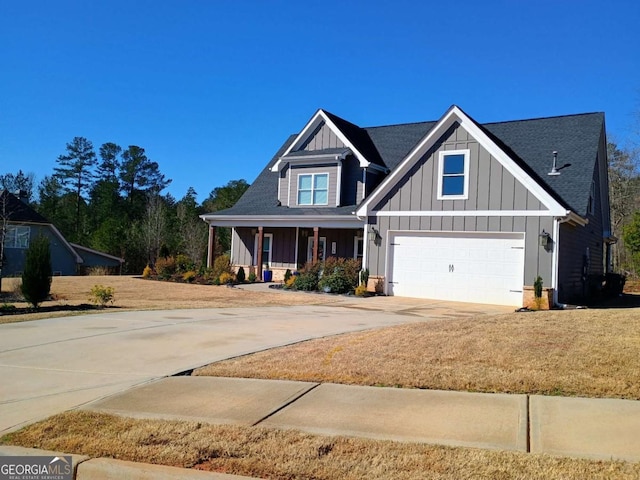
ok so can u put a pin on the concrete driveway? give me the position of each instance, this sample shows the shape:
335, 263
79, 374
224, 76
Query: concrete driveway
49, 366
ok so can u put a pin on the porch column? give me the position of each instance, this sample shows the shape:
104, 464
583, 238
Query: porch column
259, 259
211, 253
316, 241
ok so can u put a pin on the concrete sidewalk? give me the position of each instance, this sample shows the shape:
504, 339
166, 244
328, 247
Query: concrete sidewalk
602, 429
578, 427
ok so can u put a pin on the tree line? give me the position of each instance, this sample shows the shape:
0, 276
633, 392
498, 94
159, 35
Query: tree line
113, 201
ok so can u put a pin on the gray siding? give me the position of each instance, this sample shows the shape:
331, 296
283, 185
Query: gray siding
582, 251
321, 138
351, 181
491, 187
62, 259
283, 184
292, 182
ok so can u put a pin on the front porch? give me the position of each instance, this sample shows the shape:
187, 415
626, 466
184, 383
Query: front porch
283, 248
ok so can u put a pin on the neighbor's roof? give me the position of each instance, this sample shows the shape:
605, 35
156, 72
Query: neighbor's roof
529, 143
17, 210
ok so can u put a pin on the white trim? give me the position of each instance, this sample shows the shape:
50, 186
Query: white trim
313, 189
315, 120
338, 184
303, 221
465, 188
297, 247
255, 248
290, 174
355, 247
233, 234
310, 250
455, 114
464, 213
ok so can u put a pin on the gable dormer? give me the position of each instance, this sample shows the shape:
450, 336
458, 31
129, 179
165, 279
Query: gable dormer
323, 166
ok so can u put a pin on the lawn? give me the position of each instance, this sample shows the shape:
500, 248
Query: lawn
70, 296
590, 352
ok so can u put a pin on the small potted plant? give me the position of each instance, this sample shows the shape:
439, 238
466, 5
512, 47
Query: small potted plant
267, 274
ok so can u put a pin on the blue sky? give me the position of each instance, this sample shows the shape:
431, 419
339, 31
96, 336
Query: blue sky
212, 88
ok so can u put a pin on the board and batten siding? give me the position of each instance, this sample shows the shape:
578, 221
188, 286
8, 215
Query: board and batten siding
282, 248
322, 137
582, 249
491, 188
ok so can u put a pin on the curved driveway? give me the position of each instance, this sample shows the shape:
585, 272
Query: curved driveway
49, 366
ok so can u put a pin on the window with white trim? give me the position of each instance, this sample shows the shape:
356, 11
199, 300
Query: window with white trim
267, 241
453, 175
358, 247
17, 237
313, 189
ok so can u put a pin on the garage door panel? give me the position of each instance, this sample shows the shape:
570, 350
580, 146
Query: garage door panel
469, 267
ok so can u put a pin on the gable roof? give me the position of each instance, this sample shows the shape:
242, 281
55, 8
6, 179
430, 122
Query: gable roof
526, 144
17, 210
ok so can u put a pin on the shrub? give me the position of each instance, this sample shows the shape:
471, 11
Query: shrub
222, 264
36, 276
337, 282
289, 282
361, 290
240, 276
98, 271
537, 287
340, 275
252, 277
165, 267
184, 263
101, 295
189, 276
364, 277
147, 272
226, 278
287, 275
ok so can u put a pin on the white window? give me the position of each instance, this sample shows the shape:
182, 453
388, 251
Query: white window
358, 247
17, 237
267, 242
453, 175
313, 189
322, 249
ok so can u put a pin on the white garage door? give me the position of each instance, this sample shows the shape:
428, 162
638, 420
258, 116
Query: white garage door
464, 267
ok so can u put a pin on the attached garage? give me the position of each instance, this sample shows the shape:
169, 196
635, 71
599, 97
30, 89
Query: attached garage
476, 267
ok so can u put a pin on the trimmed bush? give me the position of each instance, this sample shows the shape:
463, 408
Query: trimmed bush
222, 264
240, 276
189, 276
36, 276
252, 277
361, 290
184, 263
147, 272
287, 275
306, 281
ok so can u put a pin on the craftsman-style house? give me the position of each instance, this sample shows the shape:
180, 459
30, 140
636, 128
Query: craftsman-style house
449, 209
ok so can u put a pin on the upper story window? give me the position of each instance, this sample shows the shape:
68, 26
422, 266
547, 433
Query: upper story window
17, 237
313, 189
453, 175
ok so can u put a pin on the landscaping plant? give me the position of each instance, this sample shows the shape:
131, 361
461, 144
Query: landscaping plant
101, 295
36, 277
240, 276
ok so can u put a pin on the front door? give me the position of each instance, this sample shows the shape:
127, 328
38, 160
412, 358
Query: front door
322, 243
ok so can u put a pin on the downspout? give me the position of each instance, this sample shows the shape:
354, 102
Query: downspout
364, 183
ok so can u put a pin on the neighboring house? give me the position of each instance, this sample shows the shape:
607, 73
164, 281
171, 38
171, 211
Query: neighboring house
450, 209
24, 224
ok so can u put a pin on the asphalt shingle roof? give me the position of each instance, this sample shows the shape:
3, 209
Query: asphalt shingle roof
530, 143
18, 211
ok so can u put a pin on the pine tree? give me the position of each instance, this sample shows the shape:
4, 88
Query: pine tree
36, 276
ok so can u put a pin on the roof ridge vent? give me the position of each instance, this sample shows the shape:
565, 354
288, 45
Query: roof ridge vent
554, 169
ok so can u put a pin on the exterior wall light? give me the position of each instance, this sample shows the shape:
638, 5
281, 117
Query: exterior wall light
544, 239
